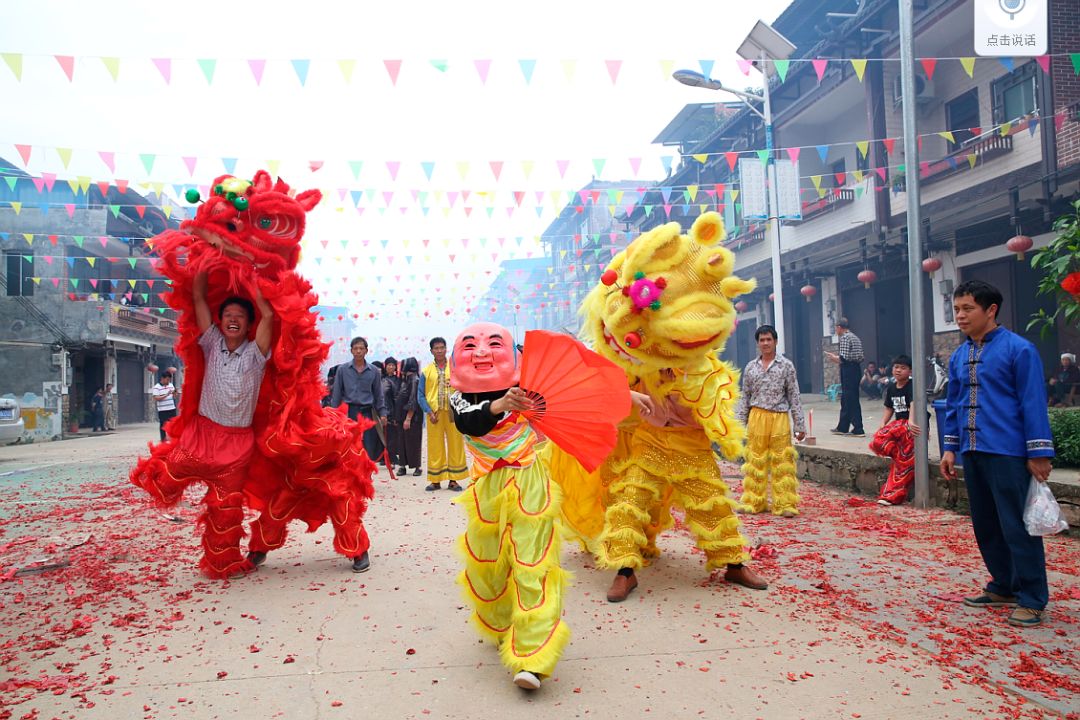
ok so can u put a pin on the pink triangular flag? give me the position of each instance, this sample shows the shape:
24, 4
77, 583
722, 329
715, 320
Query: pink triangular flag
482, 68
257, 67
164, 66
50, 180
613, 67
745, 65
793, 153
1044, 63
109, 158
496, 168
39, 183
393, 67
67, 63
819, 68
392, 166
70, 207
190, 163
635, 165
562, 165
24, 153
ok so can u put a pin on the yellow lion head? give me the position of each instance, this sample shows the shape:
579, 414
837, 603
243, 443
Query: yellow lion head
665, 301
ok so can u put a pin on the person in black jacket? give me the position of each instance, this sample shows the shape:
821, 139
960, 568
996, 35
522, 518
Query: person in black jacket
391, 384
410, 418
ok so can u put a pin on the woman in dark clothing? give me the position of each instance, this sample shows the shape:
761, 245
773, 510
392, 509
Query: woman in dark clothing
97, 409
391, 384
410, 417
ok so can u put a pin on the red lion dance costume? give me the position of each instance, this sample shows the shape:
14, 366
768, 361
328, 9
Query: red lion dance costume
308, 463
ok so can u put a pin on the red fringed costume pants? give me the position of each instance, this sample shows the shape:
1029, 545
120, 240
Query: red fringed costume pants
218, 456
895, 441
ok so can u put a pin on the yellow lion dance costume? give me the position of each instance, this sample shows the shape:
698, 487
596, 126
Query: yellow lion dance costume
663, 312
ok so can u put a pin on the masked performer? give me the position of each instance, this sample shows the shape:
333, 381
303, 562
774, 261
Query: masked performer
662, 312
267, 440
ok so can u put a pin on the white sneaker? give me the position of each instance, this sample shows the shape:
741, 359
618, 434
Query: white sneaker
527, 681
885, 502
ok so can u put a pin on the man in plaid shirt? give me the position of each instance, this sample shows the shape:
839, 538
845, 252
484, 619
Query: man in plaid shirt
849, 357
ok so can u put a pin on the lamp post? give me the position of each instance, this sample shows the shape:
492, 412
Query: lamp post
760, 45
914, 231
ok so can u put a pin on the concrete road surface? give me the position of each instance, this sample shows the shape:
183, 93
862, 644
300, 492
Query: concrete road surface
104, 616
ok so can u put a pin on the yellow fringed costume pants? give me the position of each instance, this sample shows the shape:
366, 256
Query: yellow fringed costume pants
445, 450
668, 465
512, 578
769, 452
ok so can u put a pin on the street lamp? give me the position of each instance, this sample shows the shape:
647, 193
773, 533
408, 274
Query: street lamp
762, 44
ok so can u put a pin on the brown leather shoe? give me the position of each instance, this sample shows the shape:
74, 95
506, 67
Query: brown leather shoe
621, 588
746, 577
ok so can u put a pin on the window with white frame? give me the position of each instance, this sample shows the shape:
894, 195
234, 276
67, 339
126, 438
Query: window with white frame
1016, 94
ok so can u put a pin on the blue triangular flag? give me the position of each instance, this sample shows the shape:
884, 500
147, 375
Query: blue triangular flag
823, 152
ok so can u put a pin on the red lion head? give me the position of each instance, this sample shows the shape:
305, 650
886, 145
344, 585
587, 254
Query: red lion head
258, 220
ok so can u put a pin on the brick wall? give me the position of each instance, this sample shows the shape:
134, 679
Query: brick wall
1065, 38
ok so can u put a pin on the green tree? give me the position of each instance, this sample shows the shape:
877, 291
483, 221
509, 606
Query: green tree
1060, 263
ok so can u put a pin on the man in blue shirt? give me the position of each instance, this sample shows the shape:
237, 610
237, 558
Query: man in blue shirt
996, 419
360, 385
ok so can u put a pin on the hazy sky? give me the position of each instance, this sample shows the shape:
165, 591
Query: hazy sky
544, 137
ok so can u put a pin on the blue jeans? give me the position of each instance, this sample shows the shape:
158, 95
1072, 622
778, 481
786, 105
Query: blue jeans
997, 487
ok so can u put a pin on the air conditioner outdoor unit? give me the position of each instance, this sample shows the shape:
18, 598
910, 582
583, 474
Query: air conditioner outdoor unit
924, 91
57, 359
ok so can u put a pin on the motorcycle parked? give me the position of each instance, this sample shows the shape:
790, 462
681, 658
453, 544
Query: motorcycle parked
937, 389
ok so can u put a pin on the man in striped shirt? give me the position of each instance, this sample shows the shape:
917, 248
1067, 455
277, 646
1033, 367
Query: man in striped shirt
849, 358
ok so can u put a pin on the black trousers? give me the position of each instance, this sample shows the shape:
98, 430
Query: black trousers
163, 417
850, 409
372, 444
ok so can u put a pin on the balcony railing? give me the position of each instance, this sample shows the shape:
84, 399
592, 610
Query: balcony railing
838, 197
971, 155
125, 319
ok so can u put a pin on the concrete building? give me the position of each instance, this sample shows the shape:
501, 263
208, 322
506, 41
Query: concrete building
80, 303
1000, 156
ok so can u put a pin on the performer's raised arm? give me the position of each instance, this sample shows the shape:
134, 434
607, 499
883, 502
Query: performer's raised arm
203, 318
264, 332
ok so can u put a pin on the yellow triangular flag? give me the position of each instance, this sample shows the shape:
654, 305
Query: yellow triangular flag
816, 179
569, 66
131, 284
972, 158
864, 147
14, 61
821, 193
969, 66
613, 209
463, 168
859, 175
29, 237
17, 207
272, 166
347, 67
701, 157
691, 190
860, 67
37, 280
112, 64
527, 168
1005, 128
562, 254
74, 185
167, 209
734, 195
84, 183
666, 68
703, 208
91, 260
65, 155
948, 136
619, 196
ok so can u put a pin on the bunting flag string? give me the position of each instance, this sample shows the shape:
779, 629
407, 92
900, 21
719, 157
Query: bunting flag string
345, 67
148, 161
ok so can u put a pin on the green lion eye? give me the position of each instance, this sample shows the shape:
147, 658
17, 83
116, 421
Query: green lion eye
265, 223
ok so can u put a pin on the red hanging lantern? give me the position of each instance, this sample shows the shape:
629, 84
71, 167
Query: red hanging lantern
867, 278
1019, 245
772, 297
741, 306
808, 291
931, 265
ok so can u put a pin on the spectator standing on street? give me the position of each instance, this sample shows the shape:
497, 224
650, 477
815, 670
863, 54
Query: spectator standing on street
97, 409
410, 416
896, 437
849, 358
110, 407
996, 420
446, 445
165, 395
770, 391
391, 384
360, 385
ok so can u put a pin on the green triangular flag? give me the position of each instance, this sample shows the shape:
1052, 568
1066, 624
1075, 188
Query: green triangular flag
598, 165
1075, 57
74, 282
132, 261
148, 161
11, 180
763, 156
781, 68
208, 66
115, 210
79, 240
355, 165
440, 65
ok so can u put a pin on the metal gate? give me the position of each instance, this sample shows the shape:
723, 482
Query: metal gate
131, 400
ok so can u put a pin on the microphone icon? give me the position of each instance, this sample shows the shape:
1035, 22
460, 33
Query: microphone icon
1012, 7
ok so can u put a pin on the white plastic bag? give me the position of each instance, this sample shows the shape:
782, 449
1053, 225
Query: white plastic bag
1042, 515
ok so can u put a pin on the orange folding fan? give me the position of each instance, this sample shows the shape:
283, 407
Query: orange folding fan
578, 396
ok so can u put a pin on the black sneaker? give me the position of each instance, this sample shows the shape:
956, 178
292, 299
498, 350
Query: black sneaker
417, 472
400, 471
432, 487
256, 557
361, 564
838, 431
